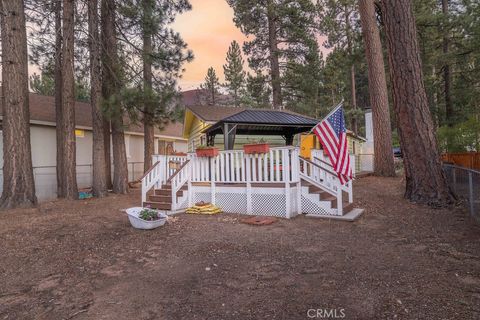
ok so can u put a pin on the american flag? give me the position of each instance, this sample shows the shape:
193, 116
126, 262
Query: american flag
333, 135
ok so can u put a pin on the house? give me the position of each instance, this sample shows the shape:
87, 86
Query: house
43, 142
275, 181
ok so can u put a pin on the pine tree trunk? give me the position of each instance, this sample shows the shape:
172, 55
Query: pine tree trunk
353, 89
148, 129
120, 166
353, 98
58, 97
425, 179
68, 103
99, 184
274, 64
111, 86
18, 181
449, 113
107, 148
377, 89
106, 80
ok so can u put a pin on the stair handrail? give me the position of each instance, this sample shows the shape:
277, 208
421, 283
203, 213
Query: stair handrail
319, 166
178, 171
347, 187
150, 178
177, 180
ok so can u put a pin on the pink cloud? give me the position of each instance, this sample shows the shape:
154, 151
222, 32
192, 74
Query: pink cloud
208, 29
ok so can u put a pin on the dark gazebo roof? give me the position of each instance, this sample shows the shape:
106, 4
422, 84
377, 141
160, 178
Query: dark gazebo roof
264, 122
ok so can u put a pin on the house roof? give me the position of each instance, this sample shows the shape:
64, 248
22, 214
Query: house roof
213, 113
42, 108
262, 121
274, 117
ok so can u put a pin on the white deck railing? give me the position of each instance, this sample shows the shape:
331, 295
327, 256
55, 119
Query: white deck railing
234, 166
281, 165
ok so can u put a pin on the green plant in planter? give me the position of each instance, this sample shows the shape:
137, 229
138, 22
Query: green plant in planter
203, 146
148, 214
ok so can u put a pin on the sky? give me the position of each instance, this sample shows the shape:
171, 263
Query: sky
208, 29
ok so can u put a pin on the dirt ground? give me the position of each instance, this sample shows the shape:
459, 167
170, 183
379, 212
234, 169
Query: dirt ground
82, 260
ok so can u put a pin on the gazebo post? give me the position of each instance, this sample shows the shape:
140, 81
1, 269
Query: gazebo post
225, 136
229, 136
289, 139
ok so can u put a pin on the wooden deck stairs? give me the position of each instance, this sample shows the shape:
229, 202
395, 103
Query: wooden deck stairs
161, 199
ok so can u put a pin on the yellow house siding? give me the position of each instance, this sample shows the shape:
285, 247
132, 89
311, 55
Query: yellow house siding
195, 135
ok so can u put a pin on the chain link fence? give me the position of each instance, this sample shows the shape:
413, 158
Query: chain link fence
46, 178
466, 185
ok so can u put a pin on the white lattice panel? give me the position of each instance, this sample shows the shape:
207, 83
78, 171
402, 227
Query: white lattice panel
315, 207
232, 202
293, 202
269, 205
183, 202
201, 196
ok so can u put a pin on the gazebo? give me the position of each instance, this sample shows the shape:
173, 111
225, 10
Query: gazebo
259, 122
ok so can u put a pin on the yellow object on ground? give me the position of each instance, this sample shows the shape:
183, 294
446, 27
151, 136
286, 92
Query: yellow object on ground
204, 209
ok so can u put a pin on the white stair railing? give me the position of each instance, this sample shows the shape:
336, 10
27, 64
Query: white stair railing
177, 180
151, 178
323, 161
321, 174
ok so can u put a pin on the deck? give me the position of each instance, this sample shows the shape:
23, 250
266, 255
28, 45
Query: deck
279, 183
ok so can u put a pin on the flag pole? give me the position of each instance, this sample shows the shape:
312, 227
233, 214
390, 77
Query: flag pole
328, 115
335, 109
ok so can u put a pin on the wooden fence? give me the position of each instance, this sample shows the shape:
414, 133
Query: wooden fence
463, 159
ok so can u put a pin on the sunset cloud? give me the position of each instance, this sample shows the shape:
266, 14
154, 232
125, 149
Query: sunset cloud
208, 30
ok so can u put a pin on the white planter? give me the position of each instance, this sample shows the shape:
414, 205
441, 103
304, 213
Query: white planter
143, 224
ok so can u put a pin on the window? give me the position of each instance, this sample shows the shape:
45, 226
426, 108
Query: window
127, 145
161, 147
79, 133
203, 140
192, 145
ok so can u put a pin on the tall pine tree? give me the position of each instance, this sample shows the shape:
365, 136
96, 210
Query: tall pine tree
18, 182
377, 86
339, 20
281, 31
99, 179
68, 160
234, 73
425, 179
211, 85
153, 57
257, 91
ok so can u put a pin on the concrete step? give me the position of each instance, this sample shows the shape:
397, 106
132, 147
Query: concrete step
347, 207
158, 205
351, 215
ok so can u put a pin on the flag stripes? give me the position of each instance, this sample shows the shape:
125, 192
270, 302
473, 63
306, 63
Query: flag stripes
333, 135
